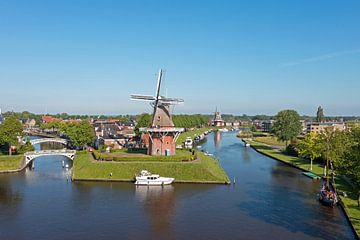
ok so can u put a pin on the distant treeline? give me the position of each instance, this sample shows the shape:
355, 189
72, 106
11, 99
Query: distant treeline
189, 121
181, 120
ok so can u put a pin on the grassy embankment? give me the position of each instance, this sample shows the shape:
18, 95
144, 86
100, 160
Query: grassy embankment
270, 140
10, 163
279, 155
350, 202
204, 170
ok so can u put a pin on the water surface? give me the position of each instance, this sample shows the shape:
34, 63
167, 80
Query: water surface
269, 200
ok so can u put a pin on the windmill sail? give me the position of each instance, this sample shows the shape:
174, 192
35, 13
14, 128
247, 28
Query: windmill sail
161, 105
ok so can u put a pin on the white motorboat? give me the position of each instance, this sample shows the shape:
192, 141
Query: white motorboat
223, 130
147, 178
188, 142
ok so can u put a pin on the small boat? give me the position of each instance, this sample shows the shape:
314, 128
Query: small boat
223, 130
311, 175
188, 142
147, 178
328, 197
208, 154
247, 144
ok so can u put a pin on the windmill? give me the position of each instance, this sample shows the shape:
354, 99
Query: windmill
217, 121
162, 132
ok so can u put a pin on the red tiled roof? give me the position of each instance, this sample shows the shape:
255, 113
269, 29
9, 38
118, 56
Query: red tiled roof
47, 119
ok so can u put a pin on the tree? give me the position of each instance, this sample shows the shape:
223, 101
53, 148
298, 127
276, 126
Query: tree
253, 128
80, 134
10, 130
310, 147
320, 115
287, 125
144, 120
351, 164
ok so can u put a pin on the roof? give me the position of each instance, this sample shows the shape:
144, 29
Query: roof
47, 119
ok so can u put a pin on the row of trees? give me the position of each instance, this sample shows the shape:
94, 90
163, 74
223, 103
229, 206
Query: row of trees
80, 134
190, 121
24, 116
341, 147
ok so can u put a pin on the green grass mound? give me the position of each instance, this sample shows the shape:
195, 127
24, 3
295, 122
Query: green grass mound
205, 169
127, 155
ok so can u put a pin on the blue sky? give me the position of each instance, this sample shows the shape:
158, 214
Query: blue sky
249, 57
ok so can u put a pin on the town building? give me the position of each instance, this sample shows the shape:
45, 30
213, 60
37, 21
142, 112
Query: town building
30, 123
317, 127
113, 133
266, 126
48, 119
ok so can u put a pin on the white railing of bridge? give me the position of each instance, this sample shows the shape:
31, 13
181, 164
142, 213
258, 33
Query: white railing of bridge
44, 140
29, 156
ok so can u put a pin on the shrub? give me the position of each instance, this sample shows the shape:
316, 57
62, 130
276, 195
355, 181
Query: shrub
291, 150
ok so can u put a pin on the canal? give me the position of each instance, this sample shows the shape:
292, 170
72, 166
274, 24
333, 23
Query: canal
269, 201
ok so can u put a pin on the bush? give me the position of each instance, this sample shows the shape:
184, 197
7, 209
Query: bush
291, 150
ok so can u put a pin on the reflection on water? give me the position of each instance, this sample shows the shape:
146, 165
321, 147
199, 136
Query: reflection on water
217, 139
159, 206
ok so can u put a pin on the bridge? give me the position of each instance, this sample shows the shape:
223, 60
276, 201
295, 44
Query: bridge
45, 140
29, 156
36, 132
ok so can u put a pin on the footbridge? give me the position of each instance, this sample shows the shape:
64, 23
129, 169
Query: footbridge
29, 156
46, 140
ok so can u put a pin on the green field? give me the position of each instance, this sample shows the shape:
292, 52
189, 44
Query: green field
10, 162
191, 134
204, 169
